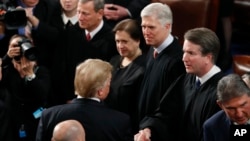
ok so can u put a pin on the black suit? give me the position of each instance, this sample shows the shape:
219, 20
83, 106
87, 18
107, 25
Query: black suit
217, 127
24, 98
100, 123
5, 131
78, 49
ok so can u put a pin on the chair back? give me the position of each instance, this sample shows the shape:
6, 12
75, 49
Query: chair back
241, 64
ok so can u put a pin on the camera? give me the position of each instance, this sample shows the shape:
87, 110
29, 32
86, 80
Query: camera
27, 50
12, 17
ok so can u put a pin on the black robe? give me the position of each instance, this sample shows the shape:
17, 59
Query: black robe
183, 109
125, 86
199, 105
78, 49
159, 75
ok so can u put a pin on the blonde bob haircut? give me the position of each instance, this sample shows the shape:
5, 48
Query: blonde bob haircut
91, 76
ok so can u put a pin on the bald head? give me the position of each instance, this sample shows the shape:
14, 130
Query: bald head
68, 130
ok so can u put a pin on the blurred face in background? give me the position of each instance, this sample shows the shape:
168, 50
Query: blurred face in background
88, 18
30, 3
126, 46
69, 5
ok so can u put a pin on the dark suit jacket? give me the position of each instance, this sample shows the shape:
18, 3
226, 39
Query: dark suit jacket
78, 49
100, 123
217, 127
24, 98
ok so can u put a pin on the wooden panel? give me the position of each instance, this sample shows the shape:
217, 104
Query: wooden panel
189, 14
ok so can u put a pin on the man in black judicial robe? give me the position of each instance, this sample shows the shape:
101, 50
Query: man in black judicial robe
162, 70
102, 44
187, 104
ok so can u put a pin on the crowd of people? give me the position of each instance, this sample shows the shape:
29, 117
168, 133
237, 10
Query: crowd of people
103, 70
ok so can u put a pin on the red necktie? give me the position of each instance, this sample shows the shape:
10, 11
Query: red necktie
88, 37
155, 54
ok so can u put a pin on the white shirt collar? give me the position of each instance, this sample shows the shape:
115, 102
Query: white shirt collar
92, 98
73, 19
209, 74
248, 123
165, 43
92, 33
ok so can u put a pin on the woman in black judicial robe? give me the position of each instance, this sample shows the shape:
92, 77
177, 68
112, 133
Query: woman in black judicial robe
128, 70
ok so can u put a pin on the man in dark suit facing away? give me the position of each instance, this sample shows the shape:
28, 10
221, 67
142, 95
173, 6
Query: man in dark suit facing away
92, 83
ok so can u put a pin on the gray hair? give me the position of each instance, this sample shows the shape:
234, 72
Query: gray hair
206, 38
98, 4
160, 11
231, 86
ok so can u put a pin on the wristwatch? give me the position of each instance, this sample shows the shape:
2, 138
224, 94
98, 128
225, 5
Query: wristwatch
30, 78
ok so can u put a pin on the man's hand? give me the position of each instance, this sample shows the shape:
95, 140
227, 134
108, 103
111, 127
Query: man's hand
115, 12
143, 135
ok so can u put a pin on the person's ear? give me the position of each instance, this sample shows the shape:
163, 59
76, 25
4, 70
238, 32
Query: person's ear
220, 104
100, 93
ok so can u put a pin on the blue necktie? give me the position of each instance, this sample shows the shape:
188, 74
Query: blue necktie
197, 84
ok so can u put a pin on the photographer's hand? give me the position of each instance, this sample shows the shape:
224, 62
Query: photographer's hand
14, 49
33, 21
31, 18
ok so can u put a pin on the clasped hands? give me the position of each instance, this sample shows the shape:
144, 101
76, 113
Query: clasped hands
143, 135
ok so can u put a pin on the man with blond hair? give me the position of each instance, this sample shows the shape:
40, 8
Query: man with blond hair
92, 82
